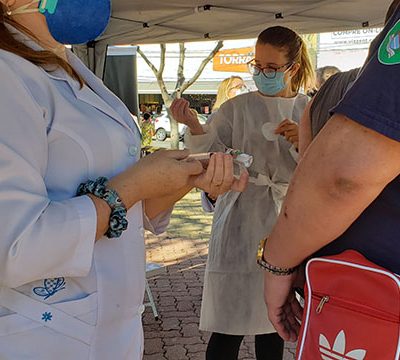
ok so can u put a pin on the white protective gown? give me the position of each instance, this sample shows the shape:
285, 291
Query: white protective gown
63, 296
233, 287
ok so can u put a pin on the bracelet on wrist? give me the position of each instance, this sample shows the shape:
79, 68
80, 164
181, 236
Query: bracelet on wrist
117, 222
265, 265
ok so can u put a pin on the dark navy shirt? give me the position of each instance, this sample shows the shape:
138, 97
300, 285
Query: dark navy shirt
374, 102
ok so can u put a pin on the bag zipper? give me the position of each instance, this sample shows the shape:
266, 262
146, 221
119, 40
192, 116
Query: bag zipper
321, 304
360, 308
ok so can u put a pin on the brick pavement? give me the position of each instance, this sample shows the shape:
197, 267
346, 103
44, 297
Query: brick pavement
177, 291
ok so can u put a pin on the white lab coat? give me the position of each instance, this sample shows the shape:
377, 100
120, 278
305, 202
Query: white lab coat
63, 296
233, 284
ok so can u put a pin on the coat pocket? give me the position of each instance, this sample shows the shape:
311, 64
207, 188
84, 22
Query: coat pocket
14, 324
84, 309
22, 337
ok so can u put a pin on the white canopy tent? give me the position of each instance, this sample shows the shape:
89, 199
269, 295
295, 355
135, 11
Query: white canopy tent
163, 21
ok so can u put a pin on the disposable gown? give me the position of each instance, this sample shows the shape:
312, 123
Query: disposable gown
233, 286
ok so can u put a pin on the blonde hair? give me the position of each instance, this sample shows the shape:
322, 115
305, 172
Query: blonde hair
223, 91
296, 49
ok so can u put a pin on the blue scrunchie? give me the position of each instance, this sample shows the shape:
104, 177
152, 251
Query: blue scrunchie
118, 222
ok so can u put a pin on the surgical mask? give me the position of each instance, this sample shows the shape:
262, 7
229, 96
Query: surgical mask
270, 87
71, 21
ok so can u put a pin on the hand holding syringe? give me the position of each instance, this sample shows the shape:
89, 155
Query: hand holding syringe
240, 158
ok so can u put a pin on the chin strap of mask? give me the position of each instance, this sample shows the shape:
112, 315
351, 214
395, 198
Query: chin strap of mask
48, 5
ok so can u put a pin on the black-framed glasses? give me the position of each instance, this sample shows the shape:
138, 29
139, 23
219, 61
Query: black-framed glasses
269, 72
239, 87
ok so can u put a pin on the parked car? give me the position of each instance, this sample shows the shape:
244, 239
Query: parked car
163, 126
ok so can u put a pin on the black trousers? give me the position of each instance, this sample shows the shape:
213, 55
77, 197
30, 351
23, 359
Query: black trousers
226, 347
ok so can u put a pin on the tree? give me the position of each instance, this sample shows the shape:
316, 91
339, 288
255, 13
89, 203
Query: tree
181, 84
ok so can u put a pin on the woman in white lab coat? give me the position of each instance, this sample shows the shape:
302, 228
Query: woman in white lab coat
233, 303
66, 290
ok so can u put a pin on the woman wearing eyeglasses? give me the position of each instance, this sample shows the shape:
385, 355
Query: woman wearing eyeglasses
233, 304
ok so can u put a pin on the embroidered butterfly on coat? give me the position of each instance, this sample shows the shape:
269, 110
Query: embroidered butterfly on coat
50, 287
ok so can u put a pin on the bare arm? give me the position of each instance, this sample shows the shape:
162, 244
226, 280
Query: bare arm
154, 207
160, 177
305, 135
343, 171
164, 178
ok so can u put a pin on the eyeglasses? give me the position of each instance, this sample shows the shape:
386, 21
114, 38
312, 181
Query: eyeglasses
239, 87
269, 72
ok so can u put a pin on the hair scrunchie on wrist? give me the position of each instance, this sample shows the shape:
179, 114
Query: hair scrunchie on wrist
118, 222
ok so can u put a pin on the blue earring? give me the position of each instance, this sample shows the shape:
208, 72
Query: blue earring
48, 5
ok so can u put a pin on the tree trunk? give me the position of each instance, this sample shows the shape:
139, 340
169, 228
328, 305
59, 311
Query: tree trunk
176, 95
168, 99
174, 131
181, 84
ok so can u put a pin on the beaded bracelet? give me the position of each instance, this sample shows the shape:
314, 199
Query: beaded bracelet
118, 222
275, 270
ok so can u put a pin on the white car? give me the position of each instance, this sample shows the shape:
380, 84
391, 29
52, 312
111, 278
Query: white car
163, 126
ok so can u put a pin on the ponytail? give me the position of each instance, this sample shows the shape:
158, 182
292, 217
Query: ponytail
305, 76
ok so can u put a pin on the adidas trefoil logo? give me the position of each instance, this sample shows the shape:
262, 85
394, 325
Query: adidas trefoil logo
338, 351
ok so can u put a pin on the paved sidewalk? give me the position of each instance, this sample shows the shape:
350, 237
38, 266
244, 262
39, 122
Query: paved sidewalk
177, 291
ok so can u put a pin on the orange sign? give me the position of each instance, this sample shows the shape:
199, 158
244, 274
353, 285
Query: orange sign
233, 60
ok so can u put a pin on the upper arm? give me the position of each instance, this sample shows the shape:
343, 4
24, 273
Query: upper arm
362, 141
352, 155
305, 136
23, 138
21, 118
32, 224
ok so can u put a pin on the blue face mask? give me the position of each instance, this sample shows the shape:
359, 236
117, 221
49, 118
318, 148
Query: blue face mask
72, 21
270, 87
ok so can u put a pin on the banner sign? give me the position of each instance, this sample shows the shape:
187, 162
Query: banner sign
233, 60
